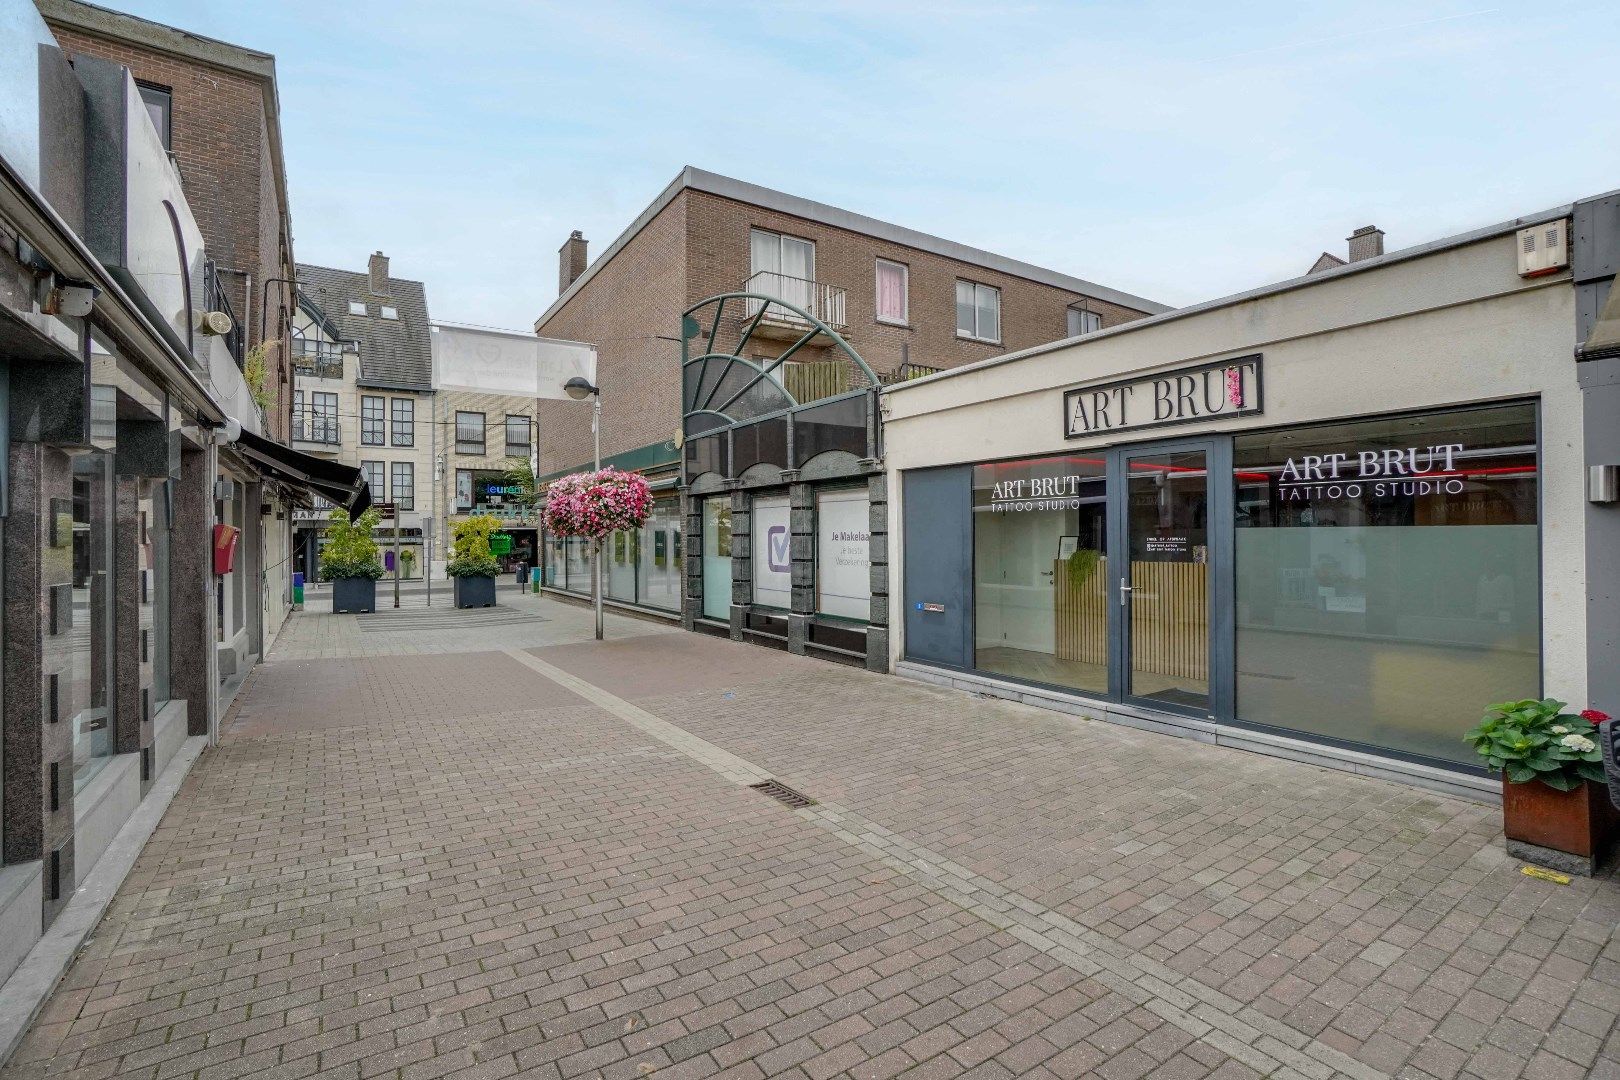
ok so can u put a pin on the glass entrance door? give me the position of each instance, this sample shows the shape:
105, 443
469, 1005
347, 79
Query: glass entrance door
1163, 582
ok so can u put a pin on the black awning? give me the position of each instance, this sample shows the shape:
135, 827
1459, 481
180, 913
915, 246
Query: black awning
336, 483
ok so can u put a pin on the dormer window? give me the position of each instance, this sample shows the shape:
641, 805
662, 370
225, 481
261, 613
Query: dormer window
356, 307
390, 313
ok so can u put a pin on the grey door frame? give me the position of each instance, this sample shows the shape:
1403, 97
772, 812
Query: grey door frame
1220, 528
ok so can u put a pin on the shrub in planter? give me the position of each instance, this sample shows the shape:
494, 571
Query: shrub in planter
1555, 802
472, 564
351, 561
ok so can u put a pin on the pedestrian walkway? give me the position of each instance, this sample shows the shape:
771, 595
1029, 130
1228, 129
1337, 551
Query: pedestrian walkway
485, 851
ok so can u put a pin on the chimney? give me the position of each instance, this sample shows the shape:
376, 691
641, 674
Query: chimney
377, 271
570, 261
1366, 242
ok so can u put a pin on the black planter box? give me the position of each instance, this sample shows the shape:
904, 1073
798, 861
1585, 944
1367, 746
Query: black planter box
356, 594
474, 592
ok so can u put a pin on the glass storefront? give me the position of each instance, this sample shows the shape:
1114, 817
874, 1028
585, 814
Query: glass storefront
844, 553
662, 563
772, 552
1388, 576
1040, 556
81, 613
1377, 581
643, 566
717, 557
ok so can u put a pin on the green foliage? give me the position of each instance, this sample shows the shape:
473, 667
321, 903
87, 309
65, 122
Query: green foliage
521, 476
1082, 564
407, 559
255, 369
350, 550
470, 555
1537, 740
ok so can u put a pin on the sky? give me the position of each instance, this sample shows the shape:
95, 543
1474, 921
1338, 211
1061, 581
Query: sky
1178, 151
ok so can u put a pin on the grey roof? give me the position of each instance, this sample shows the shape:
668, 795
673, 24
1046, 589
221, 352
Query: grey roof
395, 354
741, 191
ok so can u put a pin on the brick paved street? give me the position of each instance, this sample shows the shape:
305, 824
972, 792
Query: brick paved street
436, 848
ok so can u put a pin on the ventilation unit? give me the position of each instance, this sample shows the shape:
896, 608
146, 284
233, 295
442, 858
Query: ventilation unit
1544, 249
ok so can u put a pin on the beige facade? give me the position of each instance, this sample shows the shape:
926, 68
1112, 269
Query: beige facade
472, 463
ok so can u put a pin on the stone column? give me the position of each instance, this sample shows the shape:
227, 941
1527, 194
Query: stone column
877, 631
692, 561
37, 715
191, 590
131, 720
802, 526
250, 564
742, 560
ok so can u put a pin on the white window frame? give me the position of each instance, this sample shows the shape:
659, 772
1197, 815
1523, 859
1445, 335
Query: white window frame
357, 307
779, 237
975, 335
390, 313
1086, 315
905, 293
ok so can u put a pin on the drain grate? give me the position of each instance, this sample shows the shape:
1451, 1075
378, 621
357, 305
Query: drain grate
785, 795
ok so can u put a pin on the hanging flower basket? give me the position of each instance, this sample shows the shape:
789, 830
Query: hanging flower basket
595, 505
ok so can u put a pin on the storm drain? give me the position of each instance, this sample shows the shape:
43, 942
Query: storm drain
785, 795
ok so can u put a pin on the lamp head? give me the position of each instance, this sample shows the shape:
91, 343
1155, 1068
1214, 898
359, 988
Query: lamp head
579, 388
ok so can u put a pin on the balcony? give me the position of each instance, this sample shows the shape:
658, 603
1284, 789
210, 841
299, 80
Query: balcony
317, 359
313, 427
825, 302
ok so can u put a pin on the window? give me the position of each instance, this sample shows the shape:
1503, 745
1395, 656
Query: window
517, 436
404, 493
159, 101
318, 422
978, 311
357, 307
1082, 321
390, 313
716, 557
464, 489
371, 420
404, 421
892, 286
782, 266
1381, 565
844, 553
373, 472
470, 433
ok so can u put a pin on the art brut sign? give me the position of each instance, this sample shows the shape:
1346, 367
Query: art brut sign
1412, 470
1209, 392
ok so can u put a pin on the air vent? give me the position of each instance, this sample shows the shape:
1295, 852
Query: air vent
784, 794
1544, 249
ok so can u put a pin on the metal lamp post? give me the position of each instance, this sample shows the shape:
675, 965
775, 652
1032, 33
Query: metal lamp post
580, 388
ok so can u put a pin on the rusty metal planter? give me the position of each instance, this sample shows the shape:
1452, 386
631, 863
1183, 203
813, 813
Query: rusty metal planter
1579, 823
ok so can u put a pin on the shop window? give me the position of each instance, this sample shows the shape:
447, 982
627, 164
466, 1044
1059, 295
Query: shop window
1388, 576
619, 565
464, 490
1040, 553
771, 530
371, 420
717, 557
661, 563
844, 554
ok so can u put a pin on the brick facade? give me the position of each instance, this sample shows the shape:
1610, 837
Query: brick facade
698, 246
222, 130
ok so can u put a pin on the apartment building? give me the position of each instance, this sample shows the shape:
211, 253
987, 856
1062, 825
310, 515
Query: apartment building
363, 396
141, 491
215, 110
907, 302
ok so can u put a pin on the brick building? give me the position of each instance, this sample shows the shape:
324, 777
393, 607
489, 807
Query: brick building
707, 234
215, 106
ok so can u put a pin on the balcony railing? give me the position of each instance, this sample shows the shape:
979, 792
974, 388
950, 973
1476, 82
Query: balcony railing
214, 299
825, 302
315, 427
321, 359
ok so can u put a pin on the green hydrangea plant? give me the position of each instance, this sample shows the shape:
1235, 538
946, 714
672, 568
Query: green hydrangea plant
1537, 740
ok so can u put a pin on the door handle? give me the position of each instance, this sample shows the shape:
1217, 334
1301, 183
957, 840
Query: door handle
1123, 589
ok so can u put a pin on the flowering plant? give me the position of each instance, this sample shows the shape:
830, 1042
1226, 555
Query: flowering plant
597, 504
1537, 740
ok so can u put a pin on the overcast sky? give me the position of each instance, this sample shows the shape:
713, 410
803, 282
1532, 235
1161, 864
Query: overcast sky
1180, 151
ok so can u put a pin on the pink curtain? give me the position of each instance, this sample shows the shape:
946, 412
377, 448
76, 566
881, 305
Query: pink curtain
891, 292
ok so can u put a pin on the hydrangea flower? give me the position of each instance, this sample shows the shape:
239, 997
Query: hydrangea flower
1560, 729
1594, 715
1579, 743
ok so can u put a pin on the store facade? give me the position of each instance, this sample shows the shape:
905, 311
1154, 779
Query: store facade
1329, 520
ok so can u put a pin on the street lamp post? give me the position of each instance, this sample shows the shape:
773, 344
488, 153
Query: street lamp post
579, 389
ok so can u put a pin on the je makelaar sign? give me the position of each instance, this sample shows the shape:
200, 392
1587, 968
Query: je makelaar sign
1208, 392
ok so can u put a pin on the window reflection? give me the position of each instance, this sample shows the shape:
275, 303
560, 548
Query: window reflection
81, 613
1388, 576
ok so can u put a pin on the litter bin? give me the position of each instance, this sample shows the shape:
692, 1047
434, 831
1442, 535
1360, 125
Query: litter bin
298, 588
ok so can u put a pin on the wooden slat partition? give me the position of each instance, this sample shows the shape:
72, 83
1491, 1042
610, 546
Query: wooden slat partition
1170, 613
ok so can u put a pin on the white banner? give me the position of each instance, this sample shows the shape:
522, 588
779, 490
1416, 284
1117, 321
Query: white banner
844, 555
508, 361
773, 552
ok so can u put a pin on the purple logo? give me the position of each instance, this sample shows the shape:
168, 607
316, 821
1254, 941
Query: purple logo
776, 549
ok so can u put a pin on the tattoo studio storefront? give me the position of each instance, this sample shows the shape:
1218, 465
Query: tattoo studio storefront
1329, 520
